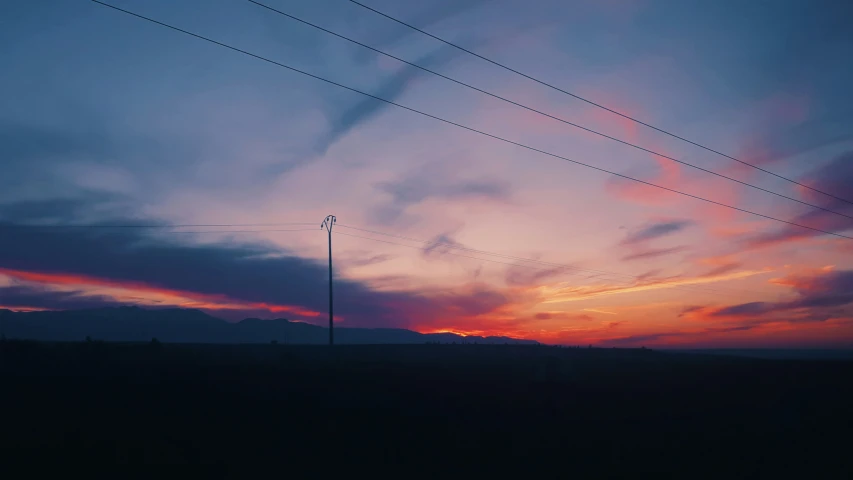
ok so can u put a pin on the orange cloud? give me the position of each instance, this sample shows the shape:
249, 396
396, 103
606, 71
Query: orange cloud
716, 261
558, 294
618, 126
669, 174
818, 296
156, 295
807, 280
19, 308
719, 264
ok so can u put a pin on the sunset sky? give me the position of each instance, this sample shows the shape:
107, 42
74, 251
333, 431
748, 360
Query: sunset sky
107, 119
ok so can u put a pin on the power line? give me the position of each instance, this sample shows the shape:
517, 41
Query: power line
273, 62
459, 247
164, 229
590, 102
153, 226
245, 231
559, 119
449, 253
599, 273
620, 282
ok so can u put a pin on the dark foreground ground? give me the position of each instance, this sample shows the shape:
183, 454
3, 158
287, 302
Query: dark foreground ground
449, 410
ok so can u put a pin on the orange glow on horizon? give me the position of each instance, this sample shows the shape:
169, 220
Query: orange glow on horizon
20, 308
446, 330
519, 315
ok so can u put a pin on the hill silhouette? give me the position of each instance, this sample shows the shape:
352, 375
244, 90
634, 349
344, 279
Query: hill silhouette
134, 324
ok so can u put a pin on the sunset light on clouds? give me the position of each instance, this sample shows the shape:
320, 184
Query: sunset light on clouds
440, 229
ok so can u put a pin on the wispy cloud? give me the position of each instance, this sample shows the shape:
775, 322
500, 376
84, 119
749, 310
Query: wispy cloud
391, 89
116, 292
517, 275
667, 174
653, 253
820, 295
363, 259
434, 181
441, 244
655, 230
835, 178
562, 316
560, 294
720, 264
434, 13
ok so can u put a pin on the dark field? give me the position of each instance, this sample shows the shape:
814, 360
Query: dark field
453, 410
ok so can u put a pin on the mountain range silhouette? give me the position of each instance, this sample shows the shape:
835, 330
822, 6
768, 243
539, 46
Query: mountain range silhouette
134, 324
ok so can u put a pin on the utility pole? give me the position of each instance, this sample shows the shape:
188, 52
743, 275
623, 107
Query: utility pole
328, 223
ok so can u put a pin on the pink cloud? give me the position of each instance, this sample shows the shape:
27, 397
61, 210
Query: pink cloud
819, 295
165, 296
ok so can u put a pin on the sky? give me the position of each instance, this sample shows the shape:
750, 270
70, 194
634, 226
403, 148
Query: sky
113, 121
